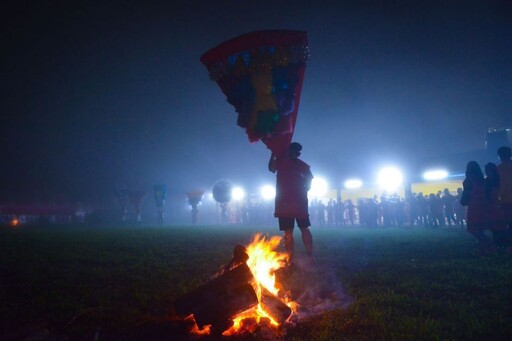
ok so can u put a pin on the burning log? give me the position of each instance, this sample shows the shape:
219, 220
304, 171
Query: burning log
218, 300
243, 297
240, 256
273, 306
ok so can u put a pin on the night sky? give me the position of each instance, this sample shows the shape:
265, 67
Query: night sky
97, 94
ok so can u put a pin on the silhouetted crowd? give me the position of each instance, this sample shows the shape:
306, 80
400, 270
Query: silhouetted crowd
483, 205
440, 209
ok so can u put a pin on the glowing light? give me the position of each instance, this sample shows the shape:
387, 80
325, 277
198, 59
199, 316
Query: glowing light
353, 183
318, 187
437, 174
195, 329
237, 193
263, 261
390, 178
268, 192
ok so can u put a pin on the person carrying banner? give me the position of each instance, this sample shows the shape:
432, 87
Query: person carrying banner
293, 181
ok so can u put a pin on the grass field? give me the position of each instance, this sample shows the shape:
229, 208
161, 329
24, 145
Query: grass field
104, 282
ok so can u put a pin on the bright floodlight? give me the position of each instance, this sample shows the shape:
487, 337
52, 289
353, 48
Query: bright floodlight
237, 193
390, 178
437, 174
353, 183
318, 187
268, 192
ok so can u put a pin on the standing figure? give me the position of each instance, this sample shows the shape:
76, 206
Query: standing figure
505, 193
340, 212
351, 212
137, 199
448, 205
423, 208
495, 214
293, 183
160, 193
122, 196
321, 213
194, 199
222, 192
473, 196
459, 209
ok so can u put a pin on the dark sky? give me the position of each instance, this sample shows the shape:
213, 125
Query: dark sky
103, 93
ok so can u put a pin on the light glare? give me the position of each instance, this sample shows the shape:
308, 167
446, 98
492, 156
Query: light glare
268, 192
318, 187
437, 174
353, 183
390, 178
237, 193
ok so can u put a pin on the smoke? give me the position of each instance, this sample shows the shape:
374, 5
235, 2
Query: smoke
315, 287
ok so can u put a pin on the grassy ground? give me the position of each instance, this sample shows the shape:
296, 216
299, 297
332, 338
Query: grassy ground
407, 283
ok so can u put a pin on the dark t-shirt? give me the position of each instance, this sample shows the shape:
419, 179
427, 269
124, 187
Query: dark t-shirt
293, 182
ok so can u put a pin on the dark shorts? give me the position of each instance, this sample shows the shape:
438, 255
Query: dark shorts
289, 223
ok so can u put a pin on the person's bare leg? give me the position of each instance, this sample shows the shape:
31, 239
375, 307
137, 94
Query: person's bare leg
289, 244
307, 239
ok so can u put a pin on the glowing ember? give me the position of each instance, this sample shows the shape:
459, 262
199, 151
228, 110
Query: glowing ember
195, 328
15, 222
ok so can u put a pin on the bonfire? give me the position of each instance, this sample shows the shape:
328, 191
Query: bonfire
245, 295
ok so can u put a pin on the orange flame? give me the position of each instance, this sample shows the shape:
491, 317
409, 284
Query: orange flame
263, 261
15, 222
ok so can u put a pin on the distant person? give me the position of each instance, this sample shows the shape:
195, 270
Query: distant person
400, 211
473, 196
496, 217
387, 213
223, 213
331, 212
505, 193
448, 207
411, 203
435, 210
423, 209
351, 211
459, 209
340, 212
373, 212
293, 183
321, 213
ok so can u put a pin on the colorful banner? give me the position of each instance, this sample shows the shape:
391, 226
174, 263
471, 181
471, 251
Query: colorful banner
261, 74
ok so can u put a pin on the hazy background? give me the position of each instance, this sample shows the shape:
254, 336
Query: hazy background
103, 93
